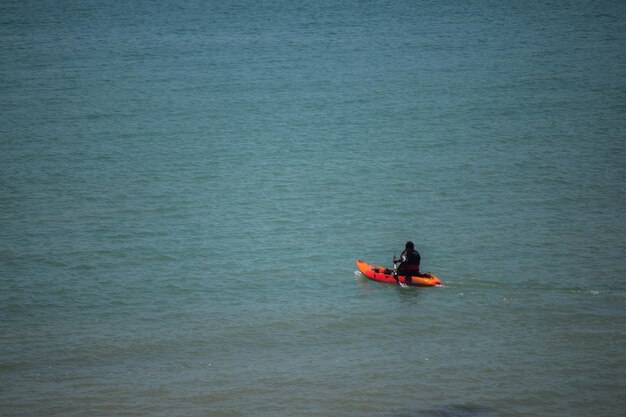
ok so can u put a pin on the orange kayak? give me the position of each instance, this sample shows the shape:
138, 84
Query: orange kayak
382, 274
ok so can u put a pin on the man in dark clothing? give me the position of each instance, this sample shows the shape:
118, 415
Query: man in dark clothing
409, 262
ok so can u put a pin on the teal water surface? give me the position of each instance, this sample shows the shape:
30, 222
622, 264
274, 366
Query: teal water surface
185, 188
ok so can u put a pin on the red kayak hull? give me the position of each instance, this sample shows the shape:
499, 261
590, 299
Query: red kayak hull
382, 274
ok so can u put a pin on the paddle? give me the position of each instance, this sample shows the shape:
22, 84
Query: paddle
395, 273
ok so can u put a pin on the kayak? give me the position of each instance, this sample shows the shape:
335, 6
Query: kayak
382, 274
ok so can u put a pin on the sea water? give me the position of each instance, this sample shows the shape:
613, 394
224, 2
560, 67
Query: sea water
185, 188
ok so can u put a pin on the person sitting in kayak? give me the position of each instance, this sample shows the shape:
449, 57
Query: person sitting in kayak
409, 262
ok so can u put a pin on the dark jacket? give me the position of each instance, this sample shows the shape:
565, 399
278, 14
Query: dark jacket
409, 261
